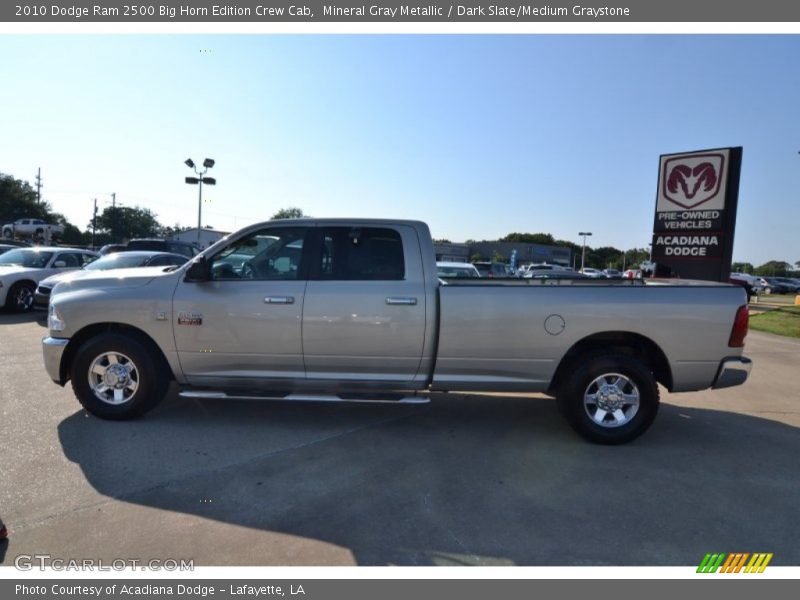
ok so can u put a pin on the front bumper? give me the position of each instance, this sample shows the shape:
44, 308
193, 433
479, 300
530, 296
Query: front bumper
53, 350
732, 371
41, 300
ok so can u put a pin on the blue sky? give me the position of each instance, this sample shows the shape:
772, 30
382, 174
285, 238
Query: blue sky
479, 135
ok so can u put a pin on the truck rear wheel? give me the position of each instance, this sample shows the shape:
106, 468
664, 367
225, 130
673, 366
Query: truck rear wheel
609, 398
116, 376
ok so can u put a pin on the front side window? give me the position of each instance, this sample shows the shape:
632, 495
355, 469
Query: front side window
267, 254
361, 254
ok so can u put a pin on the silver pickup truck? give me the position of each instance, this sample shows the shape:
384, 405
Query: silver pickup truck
353, 310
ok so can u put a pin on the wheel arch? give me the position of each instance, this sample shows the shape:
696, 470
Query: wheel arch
626, 342
90, 331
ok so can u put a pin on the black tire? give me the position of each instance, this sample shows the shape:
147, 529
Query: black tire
8, 233
149, 374
20, 297
580, 396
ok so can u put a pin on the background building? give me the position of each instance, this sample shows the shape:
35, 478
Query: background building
207, 236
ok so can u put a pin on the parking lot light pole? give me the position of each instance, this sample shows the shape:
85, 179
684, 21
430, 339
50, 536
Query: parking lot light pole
199, 181
583, 253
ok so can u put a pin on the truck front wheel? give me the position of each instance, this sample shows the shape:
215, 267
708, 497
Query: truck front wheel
116, 376
609, 398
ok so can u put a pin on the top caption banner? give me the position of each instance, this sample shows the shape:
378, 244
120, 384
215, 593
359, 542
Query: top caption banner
633, 11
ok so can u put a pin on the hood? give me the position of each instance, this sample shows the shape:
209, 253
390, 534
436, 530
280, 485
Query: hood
59, 277
116, 279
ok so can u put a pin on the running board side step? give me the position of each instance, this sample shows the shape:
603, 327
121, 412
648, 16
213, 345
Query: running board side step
355, 398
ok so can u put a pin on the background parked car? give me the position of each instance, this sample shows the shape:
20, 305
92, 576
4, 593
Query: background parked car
116, 260
491, 269
773, 286
35, 228
158, 245
456, 270
111, 248
791, 285
539, 270
593, 273
612, 273
22, 269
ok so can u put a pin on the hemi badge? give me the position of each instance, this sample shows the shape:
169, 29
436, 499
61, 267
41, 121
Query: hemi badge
190, 318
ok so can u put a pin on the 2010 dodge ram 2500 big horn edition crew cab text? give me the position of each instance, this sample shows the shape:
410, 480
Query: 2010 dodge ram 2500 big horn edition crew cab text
353, 310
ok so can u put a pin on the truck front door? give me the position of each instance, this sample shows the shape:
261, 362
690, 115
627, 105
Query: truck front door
243, 327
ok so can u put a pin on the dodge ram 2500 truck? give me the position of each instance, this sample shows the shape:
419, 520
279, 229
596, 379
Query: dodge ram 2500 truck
353, 310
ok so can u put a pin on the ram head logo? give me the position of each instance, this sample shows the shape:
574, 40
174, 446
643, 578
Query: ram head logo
691, 181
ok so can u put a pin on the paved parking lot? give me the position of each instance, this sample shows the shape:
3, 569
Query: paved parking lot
466, 479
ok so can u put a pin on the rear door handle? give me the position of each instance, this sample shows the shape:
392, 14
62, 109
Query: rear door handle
279, 300
397, 301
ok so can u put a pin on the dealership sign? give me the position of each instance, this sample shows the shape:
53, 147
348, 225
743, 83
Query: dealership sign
696, 213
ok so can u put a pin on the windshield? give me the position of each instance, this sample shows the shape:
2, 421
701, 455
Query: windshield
26, 257
119, 260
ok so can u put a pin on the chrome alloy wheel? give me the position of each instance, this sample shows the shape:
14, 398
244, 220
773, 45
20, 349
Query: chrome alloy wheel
23, 298
611, 400
113, 377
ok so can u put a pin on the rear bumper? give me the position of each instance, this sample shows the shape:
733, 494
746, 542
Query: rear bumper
732, 371
53, 350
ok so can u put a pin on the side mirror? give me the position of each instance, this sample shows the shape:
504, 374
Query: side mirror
199, 270
59, 264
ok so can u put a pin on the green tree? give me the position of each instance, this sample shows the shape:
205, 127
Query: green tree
742, 267
529, 238
289, 213
776, 268
476, 257
497, 257
18, 201
125, 223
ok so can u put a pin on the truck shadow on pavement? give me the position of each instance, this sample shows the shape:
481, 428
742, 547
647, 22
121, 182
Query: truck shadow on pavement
467, 479
13, 318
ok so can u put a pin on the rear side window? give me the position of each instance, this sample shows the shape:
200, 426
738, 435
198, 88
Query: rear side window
361, 254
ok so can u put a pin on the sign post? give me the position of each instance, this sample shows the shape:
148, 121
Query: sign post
695, 216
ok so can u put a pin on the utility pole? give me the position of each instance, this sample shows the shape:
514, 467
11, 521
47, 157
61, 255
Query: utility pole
583, 253
113, 217
39, 186
94, 220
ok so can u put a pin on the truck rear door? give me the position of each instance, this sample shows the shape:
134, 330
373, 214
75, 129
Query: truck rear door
365, 303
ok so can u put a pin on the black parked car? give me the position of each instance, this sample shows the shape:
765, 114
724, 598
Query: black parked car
158, 245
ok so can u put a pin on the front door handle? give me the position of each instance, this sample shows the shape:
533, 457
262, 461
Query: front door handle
279, 300
399, 301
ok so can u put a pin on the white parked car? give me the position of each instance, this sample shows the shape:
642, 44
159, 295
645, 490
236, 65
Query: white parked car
755, 282
593, 273
546, 270
23, 268
456, 270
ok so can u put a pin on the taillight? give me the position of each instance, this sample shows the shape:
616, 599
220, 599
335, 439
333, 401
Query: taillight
739, 330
